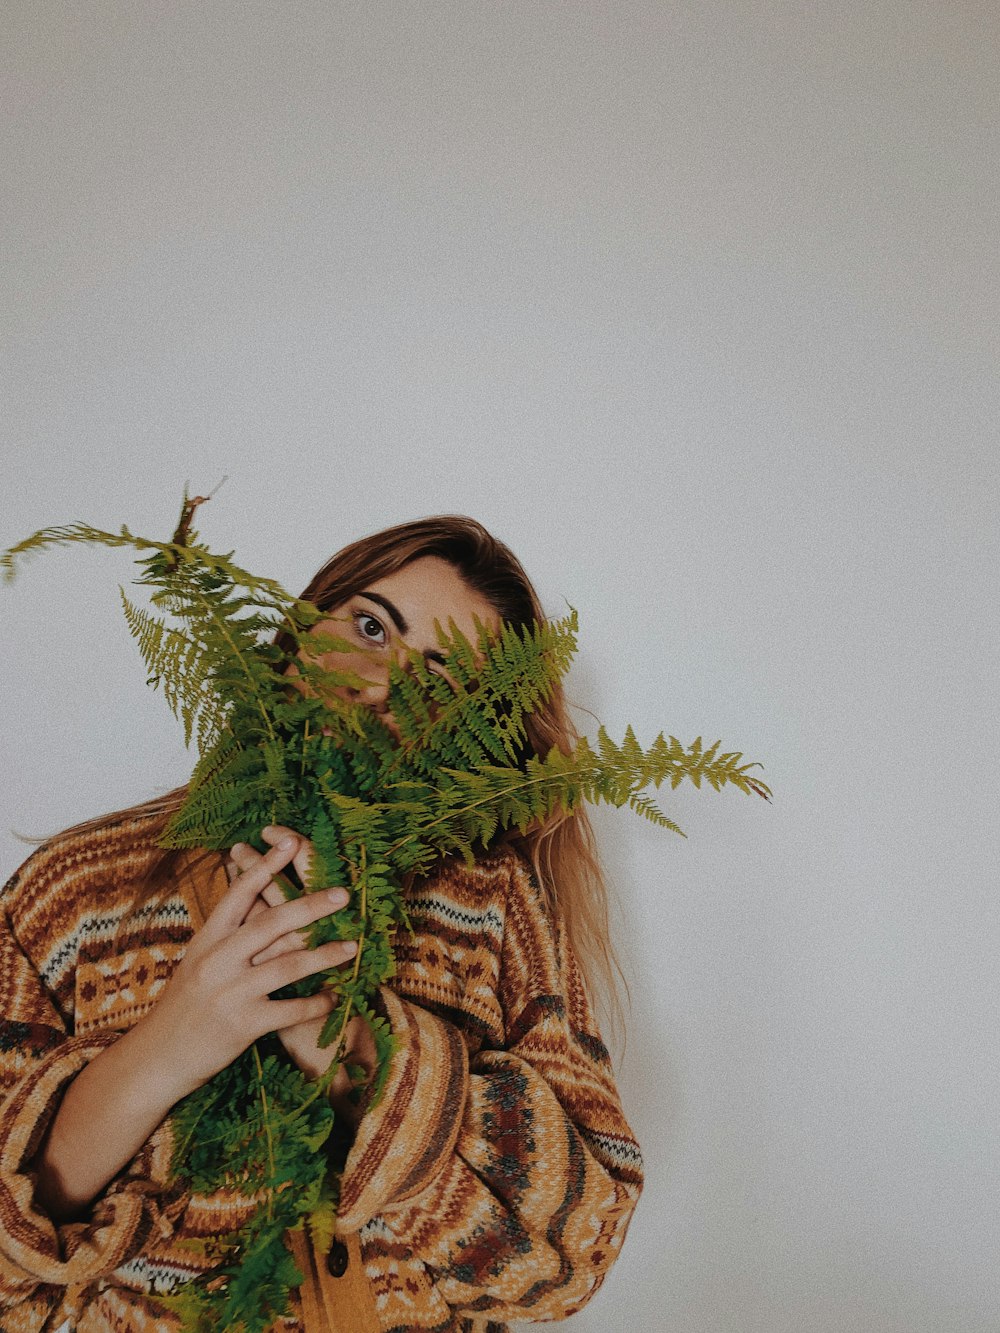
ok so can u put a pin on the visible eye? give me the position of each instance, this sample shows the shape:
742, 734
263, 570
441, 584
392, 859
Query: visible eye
366, 618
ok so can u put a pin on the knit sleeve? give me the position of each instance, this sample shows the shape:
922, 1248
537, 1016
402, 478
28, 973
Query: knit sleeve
508, 1176
40, 1258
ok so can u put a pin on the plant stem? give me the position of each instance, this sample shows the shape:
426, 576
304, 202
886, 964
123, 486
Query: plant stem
267, 1126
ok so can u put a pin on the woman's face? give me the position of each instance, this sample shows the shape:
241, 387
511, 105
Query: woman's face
401, 606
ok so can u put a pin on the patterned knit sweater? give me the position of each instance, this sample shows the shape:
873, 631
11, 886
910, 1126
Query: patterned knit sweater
494, 1181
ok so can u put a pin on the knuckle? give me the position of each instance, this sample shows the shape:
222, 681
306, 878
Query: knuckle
290, 968
310, 907
200, 971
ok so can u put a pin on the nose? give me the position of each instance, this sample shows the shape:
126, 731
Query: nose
376, 701
375, 694
376, 672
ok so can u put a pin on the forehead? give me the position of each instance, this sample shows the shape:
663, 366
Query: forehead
431, 587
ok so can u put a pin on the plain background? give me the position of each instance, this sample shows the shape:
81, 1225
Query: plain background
694, 305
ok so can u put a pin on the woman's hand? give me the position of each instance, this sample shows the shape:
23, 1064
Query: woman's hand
301, 1039
216, 1002
214, 1005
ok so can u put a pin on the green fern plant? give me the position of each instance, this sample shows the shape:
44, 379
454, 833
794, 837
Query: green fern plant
378, 811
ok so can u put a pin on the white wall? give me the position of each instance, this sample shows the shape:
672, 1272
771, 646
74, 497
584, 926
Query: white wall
695, 305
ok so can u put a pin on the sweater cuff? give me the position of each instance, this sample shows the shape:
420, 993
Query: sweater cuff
136, 1204
404, 1141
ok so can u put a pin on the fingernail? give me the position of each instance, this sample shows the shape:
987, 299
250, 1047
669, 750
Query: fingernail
350, 947
339, 897
238, 847
288, 844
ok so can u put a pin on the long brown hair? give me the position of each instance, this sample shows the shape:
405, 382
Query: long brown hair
562, 850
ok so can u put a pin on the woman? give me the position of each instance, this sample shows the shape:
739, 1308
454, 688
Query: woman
495, 1178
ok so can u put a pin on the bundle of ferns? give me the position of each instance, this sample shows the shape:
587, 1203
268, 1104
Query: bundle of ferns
378, 812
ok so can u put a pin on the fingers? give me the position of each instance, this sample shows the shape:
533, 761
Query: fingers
305, 962
272, 925
304, 1009
275, 833
235, 904
244, 857
273, 896
268, 927
293, 940
270, 896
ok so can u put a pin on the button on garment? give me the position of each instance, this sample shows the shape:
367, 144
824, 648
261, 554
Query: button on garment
337, 1259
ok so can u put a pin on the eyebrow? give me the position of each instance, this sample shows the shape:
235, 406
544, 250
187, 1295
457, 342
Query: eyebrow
399, 620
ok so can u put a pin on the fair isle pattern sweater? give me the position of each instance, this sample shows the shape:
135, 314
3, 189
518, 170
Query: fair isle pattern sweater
494, 1181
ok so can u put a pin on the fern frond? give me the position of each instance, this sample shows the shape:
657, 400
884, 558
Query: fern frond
177, 662
62, 536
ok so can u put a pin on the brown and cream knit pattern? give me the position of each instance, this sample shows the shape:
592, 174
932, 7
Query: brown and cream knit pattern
494, 1181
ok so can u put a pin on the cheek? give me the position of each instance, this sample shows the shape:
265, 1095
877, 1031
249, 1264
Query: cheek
295, 680
298, 682
360, 663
